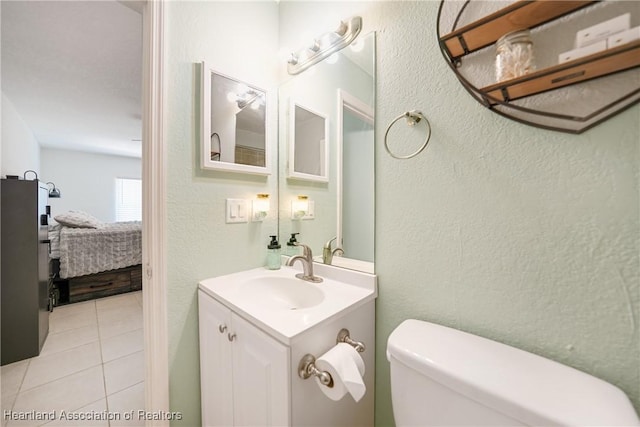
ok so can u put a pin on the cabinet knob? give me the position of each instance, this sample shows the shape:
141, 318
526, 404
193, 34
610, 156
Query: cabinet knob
222, 328
231, 336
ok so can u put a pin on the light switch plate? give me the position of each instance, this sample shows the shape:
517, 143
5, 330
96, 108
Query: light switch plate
237, 211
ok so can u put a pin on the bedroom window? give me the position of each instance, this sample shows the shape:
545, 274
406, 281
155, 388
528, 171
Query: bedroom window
128, 199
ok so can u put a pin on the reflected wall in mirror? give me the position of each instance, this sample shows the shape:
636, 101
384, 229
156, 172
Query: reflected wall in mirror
308, 148
342, 88
355, 177
234, 125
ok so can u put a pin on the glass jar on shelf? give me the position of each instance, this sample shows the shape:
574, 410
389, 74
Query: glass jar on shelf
514, 55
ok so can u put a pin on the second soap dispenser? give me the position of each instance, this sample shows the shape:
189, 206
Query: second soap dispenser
273, 254
292, 249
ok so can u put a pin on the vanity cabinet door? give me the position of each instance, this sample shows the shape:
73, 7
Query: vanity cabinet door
260, 377
215, 362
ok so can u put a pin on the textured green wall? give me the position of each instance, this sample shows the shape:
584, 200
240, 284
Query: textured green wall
525, 236
200, 243
514, 233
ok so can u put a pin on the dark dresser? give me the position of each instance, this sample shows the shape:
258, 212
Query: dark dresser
25, 284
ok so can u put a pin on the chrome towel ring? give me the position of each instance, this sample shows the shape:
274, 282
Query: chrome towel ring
413, 117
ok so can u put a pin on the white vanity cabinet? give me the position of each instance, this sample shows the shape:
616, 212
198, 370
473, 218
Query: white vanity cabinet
244, 372
256, 326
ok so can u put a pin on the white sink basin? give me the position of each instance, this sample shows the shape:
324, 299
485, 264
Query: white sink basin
285, 306
283, 293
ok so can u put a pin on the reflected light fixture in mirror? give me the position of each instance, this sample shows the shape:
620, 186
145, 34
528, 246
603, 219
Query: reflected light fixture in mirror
324, 46
234, 128
299, 207
261, 207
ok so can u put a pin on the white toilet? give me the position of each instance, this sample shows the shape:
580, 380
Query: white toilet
442, 376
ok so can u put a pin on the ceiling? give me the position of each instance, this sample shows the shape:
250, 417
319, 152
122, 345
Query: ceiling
73, 71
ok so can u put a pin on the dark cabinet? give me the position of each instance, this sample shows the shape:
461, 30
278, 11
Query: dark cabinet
25, 281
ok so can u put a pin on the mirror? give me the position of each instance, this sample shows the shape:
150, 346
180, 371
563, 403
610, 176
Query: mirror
308, 148
340, 90
234, 125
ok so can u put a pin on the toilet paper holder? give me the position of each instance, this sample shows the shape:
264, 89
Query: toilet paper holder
307, 369
307, 366
343, 336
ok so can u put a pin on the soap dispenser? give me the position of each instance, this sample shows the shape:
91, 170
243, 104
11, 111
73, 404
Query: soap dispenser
292, 249
273, 254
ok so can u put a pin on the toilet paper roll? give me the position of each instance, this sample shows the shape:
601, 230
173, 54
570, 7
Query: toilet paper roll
346, 367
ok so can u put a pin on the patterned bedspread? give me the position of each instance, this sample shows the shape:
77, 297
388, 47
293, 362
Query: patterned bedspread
85, 251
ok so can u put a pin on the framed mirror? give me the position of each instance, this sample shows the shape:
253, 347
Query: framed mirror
234, 125
342, 88
308, 144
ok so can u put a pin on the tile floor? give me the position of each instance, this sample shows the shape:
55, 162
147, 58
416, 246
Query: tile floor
91, 365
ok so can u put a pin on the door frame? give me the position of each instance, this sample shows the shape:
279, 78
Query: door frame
346, 102
154, 294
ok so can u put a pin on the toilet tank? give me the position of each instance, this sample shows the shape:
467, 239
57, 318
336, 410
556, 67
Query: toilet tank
442, 376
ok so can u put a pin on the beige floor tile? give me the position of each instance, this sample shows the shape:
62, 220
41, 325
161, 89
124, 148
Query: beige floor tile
138, 296
69, 339
47, 368
119, 326
122, 345
68, 393
111, 314
116, 301
72, 321
70, 375
124, 372
7, 405
12, 376
93, 415
72, 309
130, 399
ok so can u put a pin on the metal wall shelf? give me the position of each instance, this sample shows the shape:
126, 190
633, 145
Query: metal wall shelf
613, 73
521, 14
590, 67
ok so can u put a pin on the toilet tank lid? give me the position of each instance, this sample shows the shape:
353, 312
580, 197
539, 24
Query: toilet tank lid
527, 387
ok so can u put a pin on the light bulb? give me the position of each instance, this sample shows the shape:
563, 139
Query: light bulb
357, 45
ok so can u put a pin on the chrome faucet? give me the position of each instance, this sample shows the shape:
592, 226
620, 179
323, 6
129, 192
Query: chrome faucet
307, 264
327, 253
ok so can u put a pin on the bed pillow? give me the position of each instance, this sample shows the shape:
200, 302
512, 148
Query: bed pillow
78, 219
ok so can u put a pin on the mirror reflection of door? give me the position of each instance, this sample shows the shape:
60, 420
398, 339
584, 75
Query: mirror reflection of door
238, 122
358, 185
310, 142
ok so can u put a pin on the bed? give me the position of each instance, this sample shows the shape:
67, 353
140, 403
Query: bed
91, 259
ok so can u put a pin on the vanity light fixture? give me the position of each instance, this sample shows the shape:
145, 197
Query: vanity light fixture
245, 98
54, 192
261, 207
324, 46
299, 207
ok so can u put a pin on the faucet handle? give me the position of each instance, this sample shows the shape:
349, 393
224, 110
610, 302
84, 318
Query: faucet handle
328, 244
